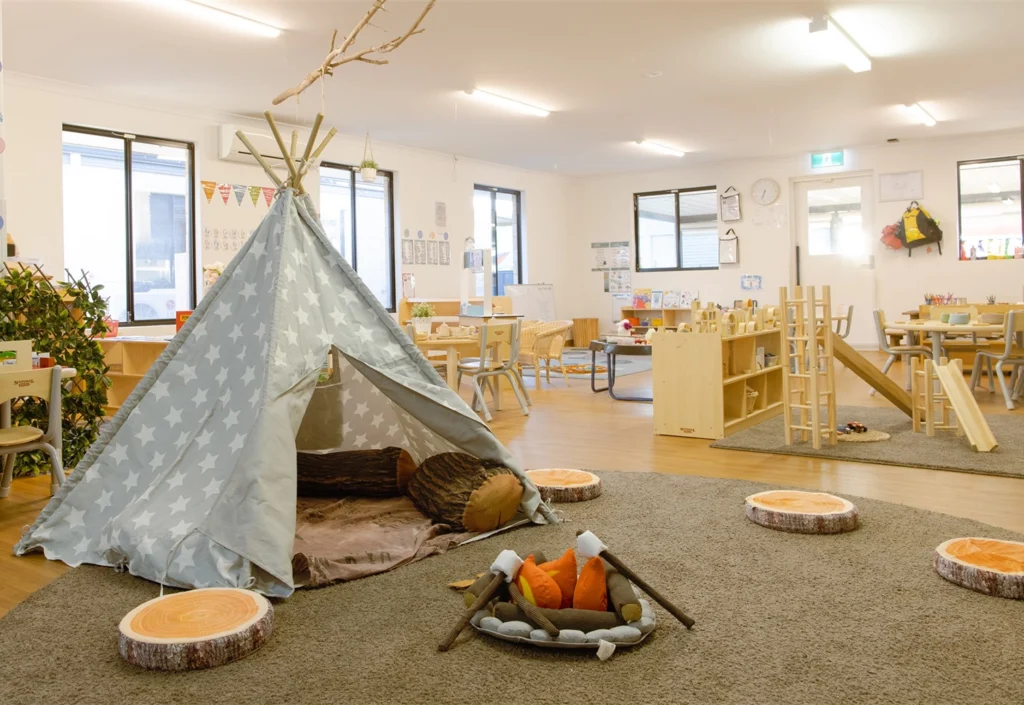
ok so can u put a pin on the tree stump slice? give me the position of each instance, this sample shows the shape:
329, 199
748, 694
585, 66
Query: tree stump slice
197, 629
564, 485
802, 512
990, 566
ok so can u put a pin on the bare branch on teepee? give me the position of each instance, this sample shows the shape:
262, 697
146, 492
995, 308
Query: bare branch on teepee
337, 56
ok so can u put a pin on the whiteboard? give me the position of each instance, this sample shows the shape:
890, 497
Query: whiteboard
904, 186
532, 301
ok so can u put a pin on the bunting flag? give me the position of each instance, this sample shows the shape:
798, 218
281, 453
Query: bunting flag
268, 193
225, 192
239, 192
208, 189
254, 194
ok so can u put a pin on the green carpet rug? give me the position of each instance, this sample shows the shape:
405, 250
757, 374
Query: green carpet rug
944, 451
781, 619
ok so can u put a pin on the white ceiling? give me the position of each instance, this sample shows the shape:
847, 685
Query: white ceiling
739, 79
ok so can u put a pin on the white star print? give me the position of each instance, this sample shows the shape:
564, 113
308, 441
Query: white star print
236, 333
311, 297
156, 461
145, 435
254, 399
203, 438
225, 397
224, 567
378, 419
280, 358
350, 296
289, 273
200, 397
338, 316
159, 390
249, 376
222, 376
312, 360
346, 428
248, 290
393, 349
143, 519
212, 488
325, 338
179, 529
173, 417
198, 332
224, 309
208, 462
366, 334
82, 545
362, 409
212, 354
187, 373
322, 277
184, 558
346, 394
301, 314
237, 444
120, 454
231, 420
104, 501
393, 430
176, 479
43, 534
258, 249
179, 505
76, 517
132, 480
146, 546
182, 439
292, 336
360, 441
261, 331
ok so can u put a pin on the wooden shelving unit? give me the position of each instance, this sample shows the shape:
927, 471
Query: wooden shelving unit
670, 317
128, 359
701, 382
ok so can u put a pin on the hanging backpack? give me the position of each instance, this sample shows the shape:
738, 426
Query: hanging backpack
917, 228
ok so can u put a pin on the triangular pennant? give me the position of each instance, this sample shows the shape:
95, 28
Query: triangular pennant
268, 194
239, 192
208, 189
254, 194
225, 192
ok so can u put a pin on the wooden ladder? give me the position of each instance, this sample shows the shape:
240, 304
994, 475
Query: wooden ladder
808, 367
932, 406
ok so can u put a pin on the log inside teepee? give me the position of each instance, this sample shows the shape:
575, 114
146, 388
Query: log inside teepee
802, 512
366, 473
197, 629
465, 492
564, 485
991, 566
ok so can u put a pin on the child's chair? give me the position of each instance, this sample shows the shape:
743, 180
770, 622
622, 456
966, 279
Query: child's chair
44, 384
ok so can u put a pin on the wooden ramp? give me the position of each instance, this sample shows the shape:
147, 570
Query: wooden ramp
863, 368
966, 408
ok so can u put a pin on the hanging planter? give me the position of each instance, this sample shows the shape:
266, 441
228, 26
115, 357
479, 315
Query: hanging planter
368, 167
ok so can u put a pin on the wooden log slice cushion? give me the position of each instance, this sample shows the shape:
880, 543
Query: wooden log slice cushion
563, 485
802, 512
991, 566
197, 629
465, 492
365, 473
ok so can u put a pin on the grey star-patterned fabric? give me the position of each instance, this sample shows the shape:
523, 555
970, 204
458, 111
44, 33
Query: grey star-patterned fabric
192, 483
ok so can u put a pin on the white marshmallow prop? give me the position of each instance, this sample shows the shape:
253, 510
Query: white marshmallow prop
588, 545
508, 564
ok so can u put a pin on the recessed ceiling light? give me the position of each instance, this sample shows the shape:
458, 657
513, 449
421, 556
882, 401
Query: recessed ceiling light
661, 148
919, 114
654, 74
213, 15
507, 103
840, 44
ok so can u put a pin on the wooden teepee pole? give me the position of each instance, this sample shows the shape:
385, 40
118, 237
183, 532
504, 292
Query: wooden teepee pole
294, 180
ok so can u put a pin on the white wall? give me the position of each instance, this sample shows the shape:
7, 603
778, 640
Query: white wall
606, 213
36, 109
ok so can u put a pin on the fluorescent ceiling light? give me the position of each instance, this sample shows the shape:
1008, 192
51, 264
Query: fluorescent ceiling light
507, 103
840, 44
661, 148
919, 114
222, 18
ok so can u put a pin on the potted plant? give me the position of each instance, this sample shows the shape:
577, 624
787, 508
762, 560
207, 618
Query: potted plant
422, 318
368, 167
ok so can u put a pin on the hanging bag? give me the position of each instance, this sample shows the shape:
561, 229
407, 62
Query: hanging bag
917, 228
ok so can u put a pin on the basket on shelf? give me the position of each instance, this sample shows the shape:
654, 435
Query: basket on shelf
751, 399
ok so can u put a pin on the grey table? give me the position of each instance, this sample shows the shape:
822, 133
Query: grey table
613, 350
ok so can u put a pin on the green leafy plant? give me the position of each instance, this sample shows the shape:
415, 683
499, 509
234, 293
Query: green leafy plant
422, 310
61, 321
368, 164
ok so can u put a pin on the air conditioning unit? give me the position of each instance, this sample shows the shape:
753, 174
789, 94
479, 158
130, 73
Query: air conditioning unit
233, 150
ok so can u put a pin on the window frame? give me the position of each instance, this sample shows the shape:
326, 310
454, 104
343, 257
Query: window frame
959, 210
679, 231
353, 170
127, 138
518, 195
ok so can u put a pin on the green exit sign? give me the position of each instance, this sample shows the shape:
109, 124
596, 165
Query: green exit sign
820, 160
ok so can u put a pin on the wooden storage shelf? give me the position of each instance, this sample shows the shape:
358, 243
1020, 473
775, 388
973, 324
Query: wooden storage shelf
128, 359
447, 310
701, 382
670, 317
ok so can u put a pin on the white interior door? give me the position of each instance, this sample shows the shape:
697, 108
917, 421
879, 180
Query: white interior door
833, 219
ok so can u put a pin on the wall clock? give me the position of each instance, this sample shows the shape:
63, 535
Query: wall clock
765, 191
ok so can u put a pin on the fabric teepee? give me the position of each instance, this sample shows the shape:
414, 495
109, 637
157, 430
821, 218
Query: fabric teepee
193, 483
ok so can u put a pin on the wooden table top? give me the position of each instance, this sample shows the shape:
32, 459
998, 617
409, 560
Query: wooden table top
940, 327
445, 342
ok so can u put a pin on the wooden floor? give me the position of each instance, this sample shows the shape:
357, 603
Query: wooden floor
576, 428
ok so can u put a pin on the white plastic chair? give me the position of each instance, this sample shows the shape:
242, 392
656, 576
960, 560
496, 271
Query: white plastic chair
894, 351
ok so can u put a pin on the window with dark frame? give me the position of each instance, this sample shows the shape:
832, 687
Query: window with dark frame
359, 218
129, 220
676, 229
497, 219
991, 220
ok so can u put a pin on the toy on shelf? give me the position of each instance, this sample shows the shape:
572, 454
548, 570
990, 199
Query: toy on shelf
549, 604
